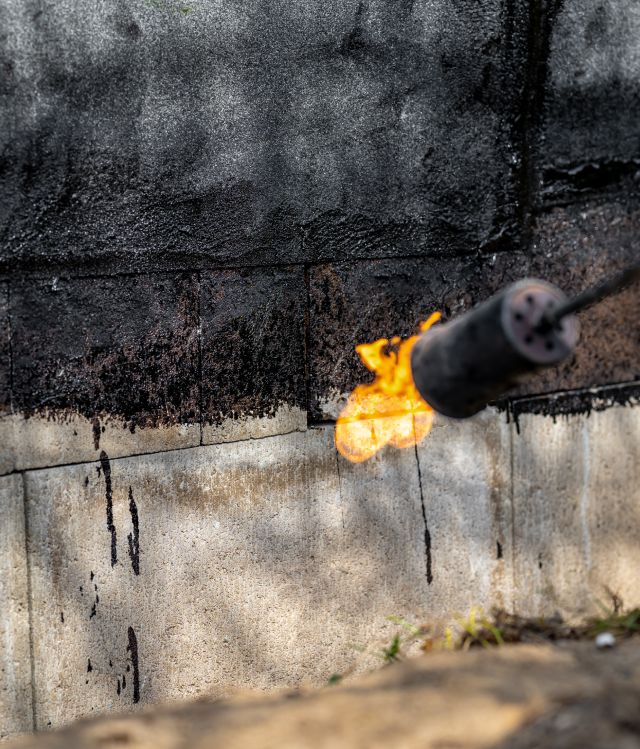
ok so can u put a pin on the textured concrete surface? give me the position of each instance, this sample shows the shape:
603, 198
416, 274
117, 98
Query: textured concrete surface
357, 302
274, 562
281, 420
163, 134
264, 563
6, 446
61, 438
106, 363
576, 496
128, 365
203, 210
576, 247
261, 563
16, 715
354, 303
515, 697
465, 477
5, 350
141, 376
592, 100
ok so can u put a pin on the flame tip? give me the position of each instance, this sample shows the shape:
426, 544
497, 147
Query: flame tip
389, 410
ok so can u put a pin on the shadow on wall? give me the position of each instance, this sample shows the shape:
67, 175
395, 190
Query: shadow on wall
575, 489
248, 574
267, 563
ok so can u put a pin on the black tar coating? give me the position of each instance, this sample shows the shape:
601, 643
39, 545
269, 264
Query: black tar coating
573, 402
133, 538
358, 302
256, 135
139, 348
360, 131
589, 137
5, 350
105, 465
252, 342
366, 130
125, 347
132, 649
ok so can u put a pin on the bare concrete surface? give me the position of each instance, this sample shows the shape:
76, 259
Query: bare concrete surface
576, 504
513, 697
7, 452
464, 474
40, 441
16, 714
284, 419
263, 563
273, 562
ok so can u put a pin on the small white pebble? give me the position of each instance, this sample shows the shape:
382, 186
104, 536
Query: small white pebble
566, 721
605, 640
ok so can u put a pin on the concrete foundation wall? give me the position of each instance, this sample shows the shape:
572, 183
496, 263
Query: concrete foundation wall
274, 562
16, 708
203, 209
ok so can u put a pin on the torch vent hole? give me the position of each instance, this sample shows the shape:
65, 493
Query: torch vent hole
528, 339
519, 316
549, 345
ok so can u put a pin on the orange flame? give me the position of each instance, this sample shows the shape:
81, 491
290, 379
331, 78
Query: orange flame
388, 411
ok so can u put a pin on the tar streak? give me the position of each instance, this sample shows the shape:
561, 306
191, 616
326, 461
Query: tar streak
134, 539
96, 433
427, 534
106, 469
132, 648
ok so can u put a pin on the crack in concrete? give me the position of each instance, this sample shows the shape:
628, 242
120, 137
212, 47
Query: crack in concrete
340, 488
199, 332
32, 662
427, 533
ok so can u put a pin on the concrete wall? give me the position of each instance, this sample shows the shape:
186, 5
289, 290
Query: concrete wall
273, 562
16, 708
202, 210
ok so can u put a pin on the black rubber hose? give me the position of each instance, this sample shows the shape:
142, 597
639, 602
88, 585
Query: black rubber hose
591, 296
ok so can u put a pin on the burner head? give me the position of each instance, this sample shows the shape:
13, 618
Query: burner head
463, 365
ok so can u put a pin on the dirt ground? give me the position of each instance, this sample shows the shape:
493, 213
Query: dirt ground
568, 695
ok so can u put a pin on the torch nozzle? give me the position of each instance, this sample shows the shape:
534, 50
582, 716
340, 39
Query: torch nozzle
461, 366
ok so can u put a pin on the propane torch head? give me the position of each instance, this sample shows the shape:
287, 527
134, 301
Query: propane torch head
461, 366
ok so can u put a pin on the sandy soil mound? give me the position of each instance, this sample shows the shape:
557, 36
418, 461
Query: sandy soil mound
569, 695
